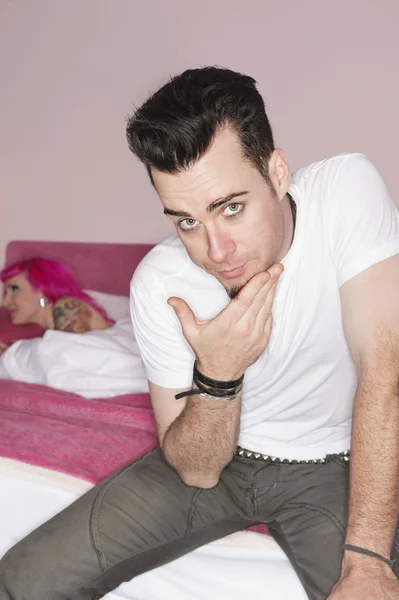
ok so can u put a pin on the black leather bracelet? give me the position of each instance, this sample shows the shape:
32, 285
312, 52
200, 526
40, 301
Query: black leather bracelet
186, 393
212, 388
214, 383
216, 391
197, 392
210, 392
366, 552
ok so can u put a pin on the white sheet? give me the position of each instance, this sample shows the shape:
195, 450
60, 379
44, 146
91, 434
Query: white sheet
96, 364
242, 565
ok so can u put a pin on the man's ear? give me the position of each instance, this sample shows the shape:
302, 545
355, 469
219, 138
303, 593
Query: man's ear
279, 173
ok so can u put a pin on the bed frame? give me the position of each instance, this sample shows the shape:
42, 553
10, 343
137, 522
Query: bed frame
103, 267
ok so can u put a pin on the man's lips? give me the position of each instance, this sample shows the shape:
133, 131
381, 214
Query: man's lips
231, 274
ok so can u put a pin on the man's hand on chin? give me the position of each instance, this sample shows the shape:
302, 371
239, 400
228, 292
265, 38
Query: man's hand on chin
370, 581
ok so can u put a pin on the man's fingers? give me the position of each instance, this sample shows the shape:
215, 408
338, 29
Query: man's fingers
263, 293
268, 326
253, 298
250, 290
264, 298
275, 270
265, 308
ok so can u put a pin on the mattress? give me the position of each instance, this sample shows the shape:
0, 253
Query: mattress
241, 565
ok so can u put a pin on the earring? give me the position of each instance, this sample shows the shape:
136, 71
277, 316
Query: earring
42, 302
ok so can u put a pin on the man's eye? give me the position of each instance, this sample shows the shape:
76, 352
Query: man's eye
233, 209
14, 288
188, 224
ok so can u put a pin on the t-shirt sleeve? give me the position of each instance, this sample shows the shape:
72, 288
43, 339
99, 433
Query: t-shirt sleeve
364, 225
168, 358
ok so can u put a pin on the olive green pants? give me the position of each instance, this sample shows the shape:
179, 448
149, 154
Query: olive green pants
144, 516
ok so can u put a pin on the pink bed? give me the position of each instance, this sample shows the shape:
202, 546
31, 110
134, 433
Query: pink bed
72, 431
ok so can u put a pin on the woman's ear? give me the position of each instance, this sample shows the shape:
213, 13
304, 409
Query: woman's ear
279, 173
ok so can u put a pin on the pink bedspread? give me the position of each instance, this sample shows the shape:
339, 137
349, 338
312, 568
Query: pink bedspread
64, 432
88, 439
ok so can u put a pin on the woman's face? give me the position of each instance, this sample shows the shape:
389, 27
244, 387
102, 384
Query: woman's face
22, 301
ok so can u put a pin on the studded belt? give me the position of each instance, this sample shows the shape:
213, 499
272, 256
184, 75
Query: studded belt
244, 453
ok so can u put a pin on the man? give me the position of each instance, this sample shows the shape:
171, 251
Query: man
271, 314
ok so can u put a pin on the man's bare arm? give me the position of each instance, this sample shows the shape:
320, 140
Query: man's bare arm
371, 322
197, 435
374, 497
71, 314
204, 435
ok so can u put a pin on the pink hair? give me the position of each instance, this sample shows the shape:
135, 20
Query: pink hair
52, 278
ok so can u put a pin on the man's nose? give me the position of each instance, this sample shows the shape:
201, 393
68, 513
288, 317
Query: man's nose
220, 246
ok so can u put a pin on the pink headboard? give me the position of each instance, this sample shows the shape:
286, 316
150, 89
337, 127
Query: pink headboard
101, 267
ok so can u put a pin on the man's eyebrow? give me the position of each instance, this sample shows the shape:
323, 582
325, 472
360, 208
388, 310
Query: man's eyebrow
213, 206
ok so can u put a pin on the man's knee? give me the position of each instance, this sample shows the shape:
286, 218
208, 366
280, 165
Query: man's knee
15, 573
50, 561
117, 519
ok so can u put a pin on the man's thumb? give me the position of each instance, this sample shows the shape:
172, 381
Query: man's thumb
185, 315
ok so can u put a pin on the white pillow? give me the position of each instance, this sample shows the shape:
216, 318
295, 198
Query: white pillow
117, 307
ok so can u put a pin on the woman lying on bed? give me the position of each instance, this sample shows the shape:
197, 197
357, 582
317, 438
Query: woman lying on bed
103, 361
46, 293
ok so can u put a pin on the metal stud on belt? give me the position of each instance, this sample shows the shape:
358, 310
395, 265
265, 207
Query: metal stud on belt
244, 453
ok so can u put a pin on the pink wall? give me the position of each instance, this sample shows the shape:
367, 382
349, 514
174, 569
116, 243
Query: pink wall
71, 70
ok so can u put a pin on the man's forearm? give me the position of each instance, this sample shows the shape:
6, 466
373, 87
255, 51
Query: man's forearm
374, 484
201, 441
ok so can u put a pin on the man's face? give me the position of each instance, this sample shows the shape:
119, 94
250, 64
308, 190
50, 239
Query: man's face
230, 220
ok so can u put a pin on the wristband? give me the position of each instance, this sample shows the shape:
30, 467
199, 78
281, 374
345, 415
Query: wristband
213, 388
366, 552
197, 392
214, 383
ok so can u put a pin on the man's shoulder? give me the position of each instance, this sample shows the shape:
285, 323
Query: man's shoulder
167, 259
330, 167
160, 255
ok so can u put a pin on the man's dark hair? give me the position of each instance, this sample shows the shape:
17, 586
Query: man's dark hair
177, 124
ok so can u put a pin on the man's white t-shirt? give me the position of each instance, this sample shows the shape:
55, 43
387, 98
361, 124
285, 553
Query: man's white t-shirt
297, 398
